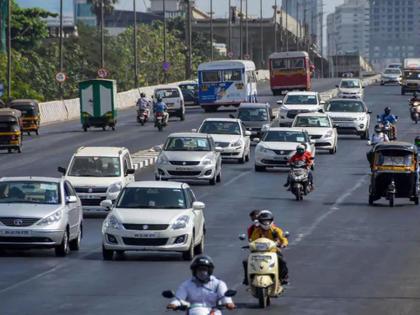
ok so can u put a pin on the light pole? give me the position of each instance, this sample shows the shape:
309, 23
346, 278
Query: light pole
102, 36
287, 25
211, 31
275, 25
297, 25
188, 39
136, 68
261, 35
241, 53
9, 50
165, 72
246, 29
60, 49
230, 17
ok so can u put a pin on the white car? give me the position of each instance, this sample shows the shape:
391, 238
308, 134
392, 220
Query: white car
154, 216
99, 173
230, 135
173, 98
189, 156
298, 102
320, 128
40, 212
278, 145
391, 75
350, 88
350, 116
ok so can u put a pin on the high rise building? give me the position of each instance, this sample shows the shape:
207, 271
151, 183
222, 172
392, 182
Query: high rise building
348, 29
394, 31
84, 14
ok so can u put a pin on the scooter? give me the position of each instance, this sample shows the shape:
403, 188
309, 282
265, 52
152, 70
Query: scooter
198, 309
387, 128
415, 111
142, 116
299, 180
160, 121
262, 271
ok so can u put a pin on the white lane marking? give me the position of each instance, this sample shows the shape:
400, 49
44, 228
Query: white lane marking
334, 208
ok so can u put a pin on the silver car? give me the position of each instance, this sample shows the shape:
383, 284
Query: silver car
191, 156
40, 212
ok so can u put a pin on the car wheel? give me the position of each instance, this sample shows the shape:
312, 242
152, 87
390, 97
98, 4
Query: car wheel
107, 254
247, 157
259, 168
189, 254
365, 135
182, 116
75, 244
63, 249
213, 180
219, 177
242, 160
333, 150
199, 249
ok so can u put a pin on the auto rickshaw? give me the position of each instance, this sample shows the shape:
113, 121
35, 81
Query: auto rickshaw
10, 130
31, 118
394, 168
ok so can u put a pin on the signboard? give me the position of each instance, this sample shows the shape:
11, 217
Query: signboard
230, 54
61, 77
166, 66
102, 73
53, 6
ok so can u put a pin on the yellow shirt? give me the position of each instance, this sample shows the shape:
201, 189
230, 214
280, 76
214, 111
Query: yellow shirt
274, 233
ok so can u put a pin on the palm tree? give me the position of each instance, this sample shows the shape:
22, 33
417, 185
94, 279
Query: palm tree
96, 8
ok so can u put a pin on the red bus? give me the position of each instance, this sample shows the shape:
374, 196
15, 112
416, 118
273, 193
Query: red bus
290, 70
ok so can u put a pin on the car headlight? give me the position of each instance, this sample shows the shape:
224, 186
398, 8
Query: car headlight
181, 222
162, 159
328, 134
114, 188
237, 143
265, 127
261, 149
52, 218
361, 118
112, 222
207, 161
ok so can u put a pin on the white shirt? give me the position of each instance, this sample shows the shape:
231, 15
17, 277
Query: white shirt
379, 138
203, 294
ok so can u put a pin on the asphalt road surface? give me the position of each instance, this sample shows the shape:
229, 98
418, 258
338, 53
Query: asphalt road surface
344, 256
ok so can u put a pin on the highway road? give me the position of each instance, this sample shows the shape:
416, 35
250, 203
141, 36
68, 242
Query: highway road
344, 256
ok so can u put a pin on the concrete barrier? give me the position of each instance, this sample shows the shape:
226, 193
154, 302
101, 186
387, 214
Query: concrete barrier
53, 111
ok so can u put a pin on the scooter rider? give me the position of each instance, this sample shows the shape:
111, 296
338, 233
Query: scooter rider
160, 107
267, 229
415, 98
302, 155
203, 289
143, 103
378, 136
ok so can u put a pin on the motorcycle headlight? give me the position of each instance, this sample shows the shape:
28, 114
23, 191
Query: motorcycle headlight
181, 222
52, 218
207, 161
328, 134
112, 222
237, 143
162, 159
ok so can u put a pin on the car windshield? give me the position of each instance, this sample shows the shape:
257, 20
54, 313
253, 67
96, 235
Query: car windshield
301, 100
285, 136
392, 158
349, 84
152, 198
346, 107
95, 166
167, 93
220, 127
392, 71
187, 144
412, 75
253, 114
308, 121
30, 192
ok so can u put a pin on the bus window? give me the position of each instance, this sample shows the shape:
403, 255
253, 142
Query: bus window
279, 63
210, 76
232, 75
297, 63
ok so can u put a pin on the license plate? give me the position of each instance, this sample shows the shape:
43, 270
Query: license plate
184, 169
16, 232
145, 235
90, 197
170, 104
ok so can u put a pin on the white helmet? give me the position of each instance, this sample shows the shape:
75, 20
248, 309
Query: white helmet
300, 149
265, 218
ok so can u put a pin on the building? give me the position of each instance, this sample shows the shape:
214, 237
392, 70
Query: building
119, 20
173, 8
84, 13
348, 29
355, 64
394, 31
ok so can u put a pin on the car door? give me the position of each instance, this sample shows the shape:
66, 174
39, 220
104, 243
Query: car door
198, 215
247, 139
73, 210
127, 164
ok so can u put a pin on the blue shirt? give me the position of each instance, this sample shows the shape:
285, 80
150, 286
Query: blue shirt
388, 118
160, 107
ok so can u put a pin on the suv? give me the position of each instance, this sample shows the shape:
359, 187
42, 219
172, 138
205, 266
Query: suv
350, 88
349, 116
256, 117
298, 102
99, 173
173, 98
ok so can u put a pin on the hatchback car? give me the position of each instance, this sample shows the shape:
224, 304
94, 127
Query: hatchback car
40, 212
256, 117
230, 135
278, 145
320, 128
173, 98
350, 88
391, 75
189, 156
154, 216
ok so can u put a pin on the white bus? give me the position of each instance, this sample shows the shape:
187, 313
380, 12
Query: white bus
226, 83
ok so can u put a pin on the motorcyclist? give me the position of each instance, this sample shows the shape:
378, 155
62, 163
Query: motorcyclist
254, 218
415, 98
267, 229
302, 155
378, 136
388, 118
160, 107
203, 289
143, 103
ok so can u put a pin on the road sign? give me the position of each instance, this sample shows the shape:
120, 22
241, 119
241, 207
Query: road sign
166, 66
61, 77
230, 54
102, 73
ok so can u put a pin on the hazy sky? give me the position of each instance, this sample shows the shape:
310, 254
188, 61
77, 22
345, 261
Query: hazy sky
220, 6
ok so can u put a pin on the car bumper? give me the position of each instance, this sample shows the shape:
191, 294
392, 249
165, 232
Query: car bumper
30, 237
272, 160
390, 80
180, 172
344, 95
130, 240
91, 202
232, 153
351, 127
325, 143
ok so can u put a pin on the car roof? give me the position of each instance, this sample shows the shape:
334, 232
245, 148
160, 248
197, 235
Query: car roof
302, 93
223, 119
254, 105
157, 184
32, 179
100, 151
286, 129
189, 135
395, 145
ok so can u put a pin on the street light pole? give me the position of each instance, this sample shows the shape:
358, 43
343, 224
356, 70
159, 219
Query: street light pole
297, 25
102, 36
275, 25
261, 35
164, 42
9, 50
136, 68
230, 26
246, 29
241, 53
61, 48
287, 25
211, 31
188, 33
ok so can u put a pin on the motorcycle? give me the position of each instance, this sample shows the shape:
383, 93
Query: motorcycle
387, 128
160, 121
198, 309
263, 271
415, 111
299, 180
142, 116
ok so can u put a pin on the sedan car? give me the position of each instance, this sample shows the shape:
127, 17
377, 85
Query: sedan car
40, 212
350, 88
230, 135
349, 116
320, 128
256, 117
189, 156
154, 216
391, 75
278, 145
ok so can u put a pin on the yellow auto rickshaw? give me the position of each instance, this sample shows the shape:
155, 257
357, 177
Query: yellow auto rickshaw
394, 168
31, 117
10, 130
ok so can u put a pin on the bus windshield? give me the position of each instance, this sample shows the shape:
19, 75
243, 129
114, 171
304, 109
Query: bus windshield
288, 63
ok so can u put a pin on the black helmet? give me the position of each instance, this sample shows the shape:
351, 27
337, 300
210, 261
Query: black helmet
417, 141
142, 95
378, 129
265, 219
202, 261
387, 110
254, 213
159, 99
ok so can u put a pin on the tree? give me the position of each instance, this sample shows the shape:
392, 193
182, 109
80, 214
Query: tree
96, 8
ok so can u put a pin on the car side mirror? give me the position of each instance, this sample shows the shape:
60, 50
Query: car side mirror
168, 294
335, 126
198, 205
62, 170
130, 171
218, 149
369, 112
248, 133
279, 102
322, 102
232, 116
312, 141
336, 86
107, 204
71, 199
257, 140
242, 237
157, 148
321, 110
